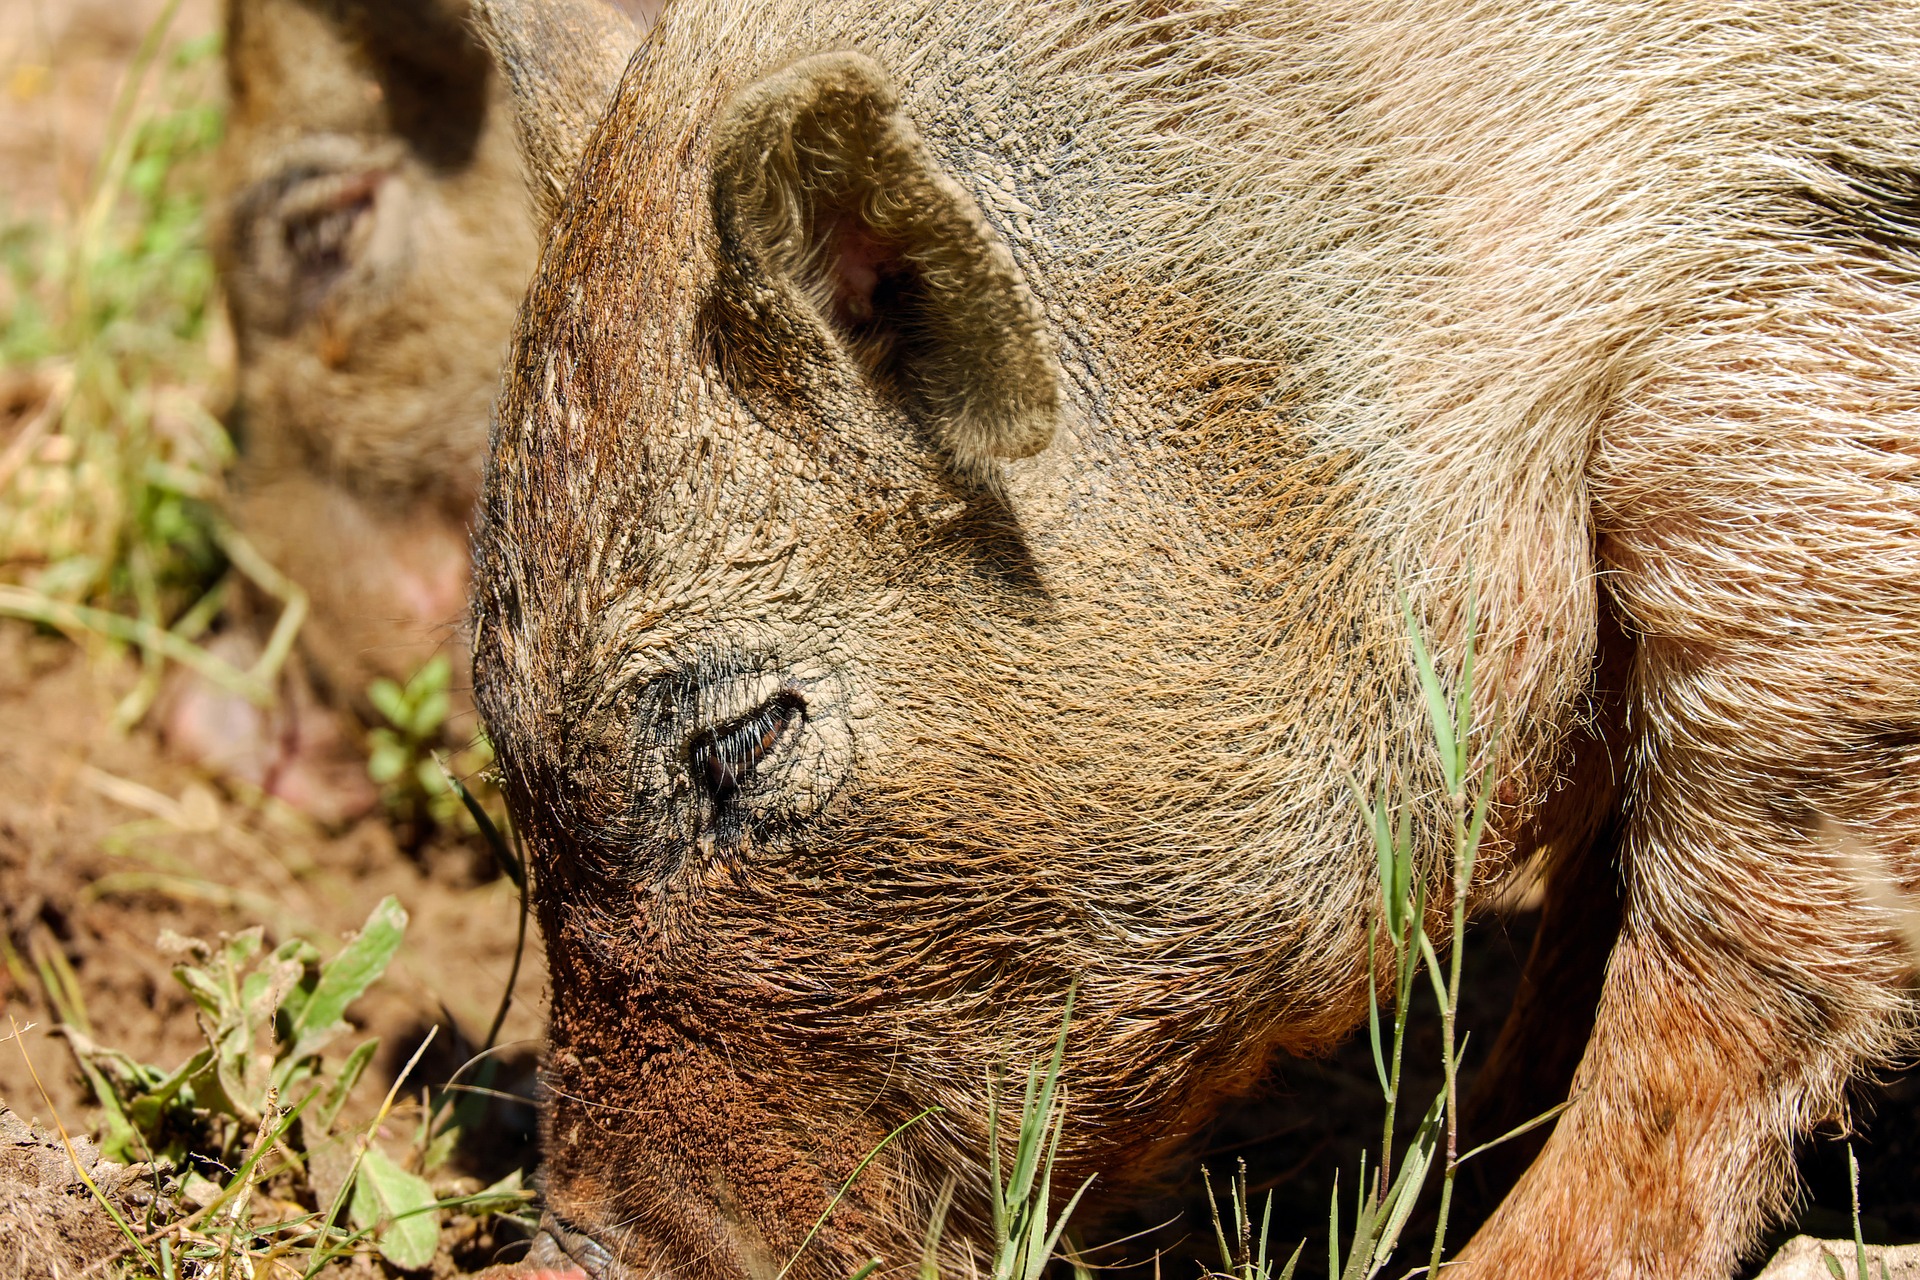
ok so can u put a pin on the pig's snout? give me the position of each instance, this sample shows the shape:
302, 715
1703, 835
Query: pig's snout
564, 1251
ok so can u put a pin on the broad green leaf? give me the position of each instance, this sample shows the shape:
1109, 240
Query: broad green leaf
388, 758
399, 1208
206, 992
439, 1148
344, 978
308, 956
389, 700
242, 948
429, 715
145, 1111
120, 1141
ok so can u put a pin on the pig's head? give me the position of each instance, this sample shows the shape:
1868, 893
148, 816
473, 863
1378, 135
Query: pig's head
890, 619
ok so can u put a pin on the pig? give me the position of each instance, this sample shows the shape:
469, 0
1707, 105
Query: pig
959, 486
373, 237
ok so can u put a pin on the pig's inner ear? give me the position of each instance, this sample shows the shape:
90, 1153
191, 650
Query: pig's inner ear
824, 190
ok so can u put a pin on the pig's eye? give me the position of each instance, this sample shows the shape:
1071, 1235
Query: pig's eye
722, 760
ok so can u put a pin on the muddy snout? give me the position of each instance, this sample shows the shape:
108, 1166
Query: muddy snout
563, 1251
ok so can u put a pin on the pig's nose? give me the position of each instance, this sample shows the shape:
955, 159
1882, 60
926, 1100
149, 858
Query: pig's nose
563, 1250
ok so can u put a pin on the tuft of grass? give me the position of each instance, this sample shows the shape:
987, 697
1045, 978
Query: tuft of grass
1384, 1201
1026, 1232
1401, 952
266, 1175
110, 349
1245, 1256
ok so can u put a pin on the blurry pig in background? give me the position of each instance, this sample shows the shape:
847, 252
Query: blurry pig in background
374, 238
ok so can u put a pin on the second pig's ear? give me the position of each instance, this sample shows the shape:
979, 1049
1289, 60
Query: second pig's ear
824, 191
563, 60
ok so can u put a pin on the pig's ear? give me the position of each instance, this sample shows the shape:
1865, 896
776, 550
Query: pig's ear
825, 191
563, 59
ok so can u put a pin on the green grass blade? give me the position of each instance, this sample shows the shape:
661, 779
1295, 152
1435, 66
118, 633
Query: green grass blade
1439, 707
335, 1095
503, 855
1398, 1204
1060, 1224
1333, 1229
1527, 1126
1373, 1011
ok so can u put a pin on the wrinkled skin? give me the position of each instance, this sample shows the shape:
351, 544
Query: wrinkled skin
945, 541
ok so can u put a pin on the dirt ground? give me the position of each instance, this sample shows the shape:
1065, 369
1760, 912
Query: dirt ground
105, 844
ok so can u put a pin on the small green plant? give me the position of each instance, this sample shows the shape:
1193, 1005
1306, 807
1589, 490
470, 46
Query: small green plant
415, 785
1386, 1201
1245, 1256
1386, 1196
1026, 1233
260, 1110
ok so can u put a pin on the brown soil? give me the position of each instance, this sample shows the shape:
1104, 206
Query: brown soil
105, 844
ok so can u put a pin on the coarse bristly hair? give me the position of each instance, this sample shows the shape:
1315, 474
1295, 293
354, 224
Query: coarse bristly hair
1591, 327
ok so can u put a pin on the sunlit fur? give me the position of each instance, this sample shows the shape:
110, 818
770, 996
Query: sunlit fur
1555, 316
803, 156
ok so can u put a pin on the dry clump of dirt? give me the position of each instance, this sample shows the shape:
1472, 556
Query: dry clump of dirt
52, 1224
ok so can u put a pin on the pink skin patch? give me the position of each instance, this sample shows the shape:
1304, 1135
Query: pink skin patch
294, 752
858, 263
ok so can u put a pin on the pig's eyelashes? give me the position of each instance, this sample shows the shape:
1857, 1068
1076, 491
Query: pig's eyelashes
723, 760
319, 239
